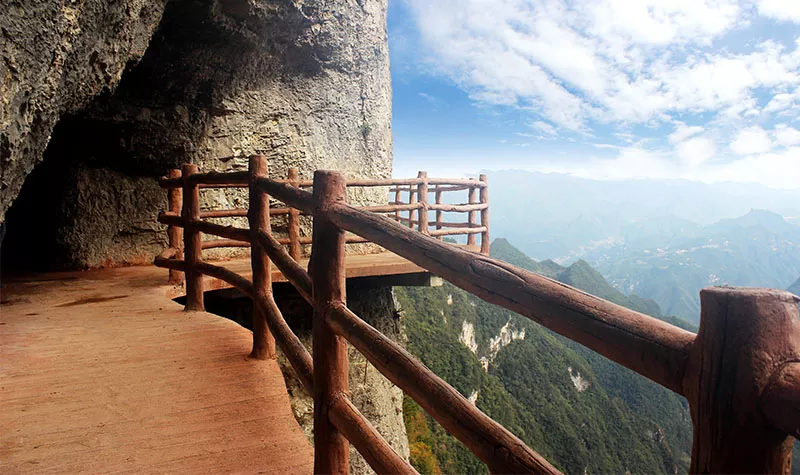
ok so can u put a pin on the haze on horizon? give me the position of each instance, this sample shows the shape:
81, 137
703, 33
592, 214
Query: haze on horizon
704, 90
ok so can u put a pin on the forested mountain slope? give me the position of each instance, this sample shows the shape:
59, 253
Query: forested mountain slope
582, 412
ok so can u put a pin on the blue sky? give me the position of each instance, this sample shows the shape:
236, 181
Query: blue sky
704, 90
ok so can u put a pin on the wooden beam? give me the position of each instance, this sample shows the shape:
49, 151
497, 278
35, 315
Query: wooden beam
472, 221
439, 213
327, 269
484, 198
175, 233
746, 338
258, 220
192, 245
458, 208
422, 193
217, 243
294, 219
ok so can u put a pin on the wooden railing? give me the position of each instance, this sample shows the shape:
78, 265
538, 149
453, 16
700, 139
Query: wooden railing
740, 373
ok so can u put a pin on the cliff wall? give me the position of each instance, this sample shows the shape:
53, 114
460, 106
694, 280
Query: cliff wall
123, 92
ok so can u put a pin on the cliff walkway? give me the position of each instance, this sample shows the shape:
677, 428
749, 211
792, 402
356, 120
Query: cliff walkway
740, 373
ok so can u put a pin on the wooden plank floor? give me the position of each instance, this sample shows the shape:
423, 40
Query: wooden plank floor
101, 373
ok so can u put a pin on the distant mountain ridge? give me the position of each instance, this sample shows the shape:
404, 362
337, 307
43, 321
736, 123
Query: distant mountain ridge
759, 249
554, 216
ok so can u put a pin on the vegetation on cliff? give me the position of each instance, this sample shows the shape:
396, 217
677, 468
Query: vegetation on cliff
581, 411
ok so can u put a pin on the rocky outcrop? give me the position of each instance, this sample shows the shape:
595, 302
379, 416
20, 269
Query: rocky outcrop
307, 84
580, 383
467, 336
57, 56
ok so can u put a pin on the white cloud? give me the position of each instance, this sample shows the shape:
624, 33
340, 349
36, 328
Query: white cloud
683, 132
786, 10
786, 135
430, 98
751, 140
586, 61
696, 151
544, 128
776, 169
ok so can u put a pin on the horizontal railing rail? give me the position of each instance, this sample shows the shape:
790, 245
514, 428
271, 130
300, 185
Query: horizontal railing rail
744, 407
417, 205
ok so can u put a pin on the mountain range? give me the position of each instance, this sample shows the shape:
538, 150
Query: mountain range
662, 240
759, 249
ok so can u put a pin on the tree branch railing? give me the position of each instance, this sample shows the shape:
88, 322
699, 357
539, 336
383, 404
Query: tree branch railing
740, 373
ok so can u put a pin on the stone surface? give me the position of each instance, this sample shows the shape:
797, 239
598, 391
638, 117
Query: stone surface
56, 56
307, 84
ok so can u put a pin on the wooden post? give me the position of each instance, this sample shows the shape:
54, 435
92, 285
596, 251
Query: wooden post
175, 233
484, 194
327, 269
438, 211
397, 194
746, 337
294, 219
411, 200
472, 217
191, 241
258, 219
422, 192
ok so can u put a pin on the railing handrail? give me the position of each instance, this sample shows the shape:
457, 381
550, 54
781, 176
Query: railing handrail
659, 351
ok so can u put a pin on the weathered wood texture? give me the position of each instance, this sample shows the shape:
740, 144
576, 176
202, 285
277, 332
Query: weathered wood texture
397, 195
471, 216
103, 373
484, 197
224, 213
422, 192
780, 402
294, 219
644, 344
217, 243
193, 250
258, 220
327, 269
746, 338
175, 233
439, 222
413, 205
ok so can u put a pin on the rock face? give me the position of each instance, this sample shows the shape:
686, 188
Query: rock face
56, 57
305, 84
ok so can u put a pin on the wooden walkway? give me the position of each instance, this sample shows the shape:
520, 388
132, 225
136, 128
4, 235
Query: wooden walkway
101, 373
